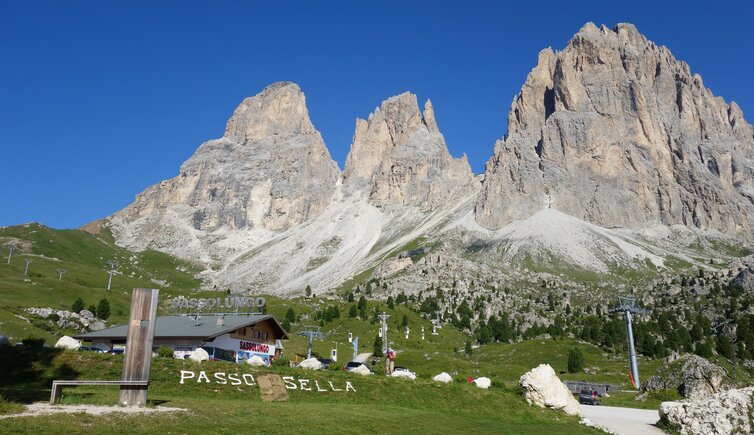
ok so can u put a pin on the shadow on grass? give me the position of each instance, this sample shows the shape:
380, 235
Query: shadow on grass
27, 372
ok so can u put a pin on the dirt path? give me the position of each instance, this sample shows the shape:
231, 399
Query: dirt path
624, 421
37, 409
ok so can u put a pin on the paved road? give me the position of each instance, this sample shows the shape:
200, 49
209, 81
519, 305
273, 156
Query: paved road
625, 421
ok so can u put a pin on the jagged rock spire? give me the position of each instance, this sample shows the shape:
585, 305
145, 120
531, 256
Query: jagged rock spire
614, 130
398, 157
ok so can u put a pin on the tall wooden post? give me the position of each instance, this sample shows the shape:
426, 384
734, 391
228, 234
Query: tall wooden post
138, 357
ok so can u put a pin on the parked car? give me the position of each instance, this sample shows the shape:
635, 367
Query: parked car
589, 397
354, 365
325, 362
116, 351
217, 354
92, 349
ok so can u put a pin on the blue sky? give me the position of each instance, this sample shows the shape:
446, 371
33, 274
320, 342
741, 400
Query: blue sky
99, 100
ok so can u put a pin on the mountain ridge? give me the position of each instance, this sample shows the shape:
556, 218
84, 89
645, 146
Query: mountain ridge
612, 134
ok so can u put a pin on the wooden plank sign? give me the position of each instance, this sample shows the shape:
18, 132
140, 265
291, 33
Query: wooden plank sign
138, 358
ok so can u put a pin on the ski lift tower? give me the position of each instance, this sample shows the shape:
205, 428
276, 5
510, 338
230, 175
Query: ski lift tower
112, 265
628, 307
313, 333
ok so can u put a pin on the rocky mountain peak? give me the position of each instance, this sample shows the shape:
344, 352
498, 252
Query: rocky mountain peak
280, 109
399, 157
270, 171
614, 130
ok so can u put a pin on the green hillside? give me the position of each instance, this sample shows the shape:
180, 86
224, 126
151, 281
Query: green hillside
84, 257
378, 404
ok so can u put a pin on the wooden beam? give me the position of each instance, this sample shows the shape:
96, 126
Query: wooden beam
138, 359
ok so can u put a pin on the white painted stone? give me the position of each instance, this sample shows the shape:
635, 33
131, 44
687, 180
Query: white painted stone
443, 377
66, 342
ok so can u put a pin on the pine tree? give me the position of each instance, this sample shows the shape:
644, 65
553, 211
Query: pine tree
93, 309
286, 325
290, 315
350, 297
308, 291
378, 346
78, 305
575, 360
103, 309
404, 323
467, 349
390, 302
353, 312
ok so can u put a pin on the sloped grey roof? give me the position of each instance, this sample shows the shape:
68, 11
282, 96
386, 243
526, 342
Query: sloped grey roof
185, 327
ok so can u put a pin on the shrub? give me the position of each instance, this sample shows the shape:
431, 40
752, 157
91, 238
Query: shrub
54, 317
103, 309
33, 342
164, 352
290, 315
575, 360
378, 346
78, 305
281, 362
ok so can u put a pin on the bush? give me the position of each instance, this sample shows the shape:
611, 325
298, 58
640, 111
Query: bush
103, 309
78, 305
575, 360
164, 352
281, 362
33, 342
378, 346
54, 317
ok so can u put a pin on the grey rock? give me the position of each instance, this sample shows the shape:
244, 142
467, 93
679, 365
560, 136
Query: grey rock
692, 376
97, 325
730, 412
615, 131
745, 279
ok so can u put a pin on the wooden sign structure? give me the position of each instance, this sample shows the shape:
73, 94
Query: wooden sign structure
138, 359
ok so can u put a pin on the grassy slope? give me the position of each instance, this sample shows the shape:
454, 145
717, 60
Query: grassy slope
379, 404
84, 256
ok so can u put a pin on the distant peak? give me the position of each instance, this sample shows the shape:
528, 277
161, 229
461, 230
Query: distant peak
280, 109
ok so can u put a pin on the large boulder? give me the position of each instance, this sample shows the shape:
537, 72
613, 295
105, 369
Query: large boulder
691, 375
744, 279
256, 361
443, 377
199, 355
311, 364
544, 389
67, 342
729, 412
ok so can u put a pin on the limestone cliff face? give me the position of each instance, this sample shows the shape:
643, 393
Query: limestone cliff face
614, 130
400, 157
270, 170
